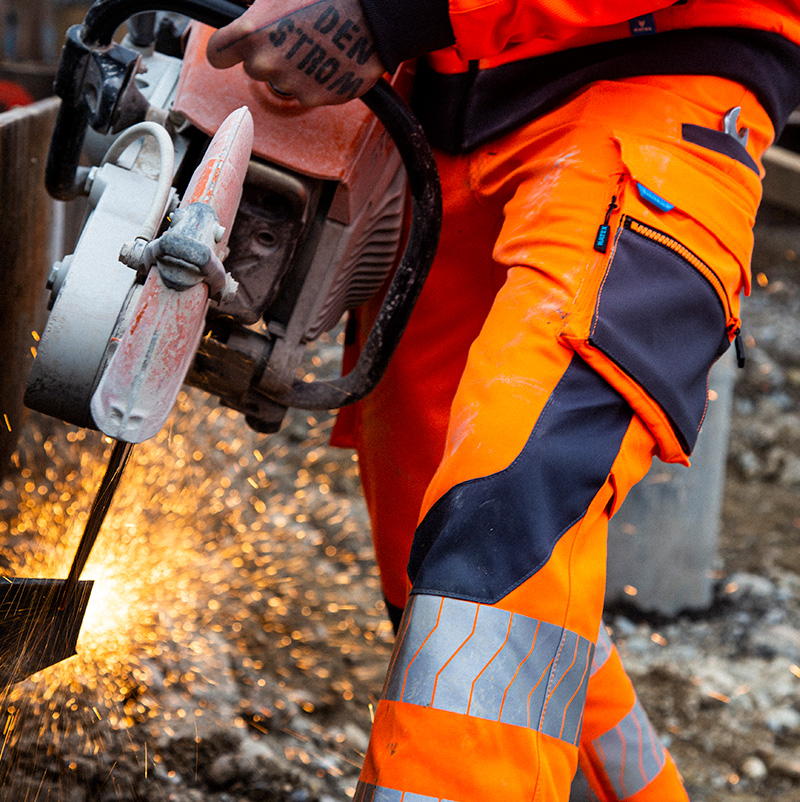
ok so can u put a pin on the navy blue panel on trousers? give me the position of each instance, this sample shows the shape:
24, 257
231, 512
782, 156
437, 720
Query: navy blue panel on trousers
661, 320
719, 142
486, 536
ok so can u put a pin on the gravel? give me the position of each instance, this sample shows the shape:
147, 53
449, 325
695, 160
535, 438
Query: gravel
236, 640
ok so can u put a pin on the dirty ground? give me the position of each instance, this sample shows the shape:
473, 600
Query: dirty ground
236, 640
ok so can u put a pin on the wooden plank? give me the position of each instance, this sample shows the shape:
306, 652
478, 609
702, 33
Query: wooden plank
26, 212
29, 26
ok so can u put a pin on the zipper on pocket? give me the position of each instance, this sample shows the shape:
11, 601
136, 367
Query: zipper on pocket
601, 240
654, 235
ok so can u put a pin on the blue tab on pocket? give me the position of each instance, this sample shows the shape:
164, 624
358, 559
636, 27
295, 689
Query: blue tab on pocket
653, 199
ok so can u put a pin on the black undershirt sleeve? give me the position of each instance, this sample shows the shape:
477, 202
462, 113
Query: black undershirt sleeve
404, 29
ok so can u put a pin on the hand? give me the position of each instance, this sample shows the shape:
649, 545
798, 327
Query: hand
320, 52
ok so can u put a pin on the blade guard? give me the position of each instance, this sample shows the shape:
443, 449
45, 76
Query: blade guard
147, 369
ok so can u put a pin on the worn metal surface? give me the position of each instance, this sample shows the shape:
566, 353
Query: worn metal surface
146, 371
91, 300
36, 631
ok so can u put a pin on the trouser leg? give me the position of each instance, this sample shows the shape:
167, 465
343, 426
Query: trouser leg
485, 694
546, 434
402, 424
621, 756
394, 484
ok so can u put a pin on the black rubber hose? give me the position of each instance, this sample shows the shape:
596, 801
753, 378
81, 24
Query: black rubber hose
102, 21
64, 154
105, 16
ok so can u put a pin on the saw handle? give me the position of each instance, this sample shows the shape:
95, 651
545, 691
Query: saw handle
94, 74
95, 37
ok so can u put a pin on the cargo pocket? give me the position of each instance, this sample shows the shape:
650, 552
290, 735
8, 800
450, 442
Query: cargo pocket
662, 315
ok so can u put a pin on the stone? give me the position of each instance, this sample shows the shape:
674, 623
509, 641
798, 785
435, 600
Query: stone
624, 627
743, 587
789, 474
224, 770
357, 738
786, 764
783, 719
777, 641
754, 768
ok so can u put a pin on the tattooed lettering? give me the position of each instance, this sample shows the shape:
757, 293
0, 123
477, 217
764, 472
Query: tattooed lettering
327, 70
361, 50
301, 40
345, 33
346, 84
278, 36
312, 60
327, 21
311, 53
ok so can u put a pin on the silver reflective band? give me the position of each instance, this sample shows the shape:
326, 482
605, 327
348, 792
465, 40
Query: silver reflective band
375, 793
485, 662
632, 753
602, 651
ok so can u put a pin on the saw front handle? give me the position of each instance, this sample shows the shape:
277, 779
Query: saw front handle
95, 81
90, 45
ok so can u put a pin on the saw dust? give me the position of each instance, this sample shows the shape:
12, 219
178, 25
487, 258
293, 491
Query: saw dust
236, 639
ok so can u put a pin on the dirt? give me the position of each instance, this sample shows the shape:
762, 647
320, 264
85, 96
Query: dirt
236, 639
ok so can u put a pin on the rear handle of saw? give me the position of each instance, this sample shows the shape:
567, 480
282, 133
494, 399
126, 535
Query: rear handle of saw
95, 35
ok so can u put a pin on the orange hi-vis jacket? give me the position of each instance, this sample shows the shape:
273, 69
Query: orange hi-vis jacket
500, 63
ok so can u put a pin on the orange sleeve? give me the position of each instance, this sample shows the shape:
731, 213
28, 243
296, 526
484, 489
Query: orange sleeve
484, 28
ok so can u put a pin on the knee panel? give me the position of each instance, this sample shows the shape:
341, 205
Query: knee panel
486, 536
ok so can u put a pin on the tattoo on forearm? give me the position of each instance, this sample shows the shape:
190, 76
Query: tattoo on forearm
326, 51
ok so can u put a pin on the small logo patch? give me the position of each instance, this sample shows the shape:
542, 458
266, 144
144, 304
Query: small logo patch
643, 25
656, 200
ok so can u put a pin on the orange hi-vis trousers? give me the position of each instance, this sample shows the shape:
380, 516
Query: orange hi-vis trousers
588, 277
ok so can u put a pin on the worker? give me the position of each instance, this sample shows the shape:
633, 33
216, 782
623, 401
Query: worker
601, 165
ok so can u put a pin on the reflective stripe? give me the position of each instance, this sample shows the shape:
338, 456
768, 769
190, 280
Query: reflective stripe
485, 662
366, 792
560, 717
632, 753
387, 795
602, 650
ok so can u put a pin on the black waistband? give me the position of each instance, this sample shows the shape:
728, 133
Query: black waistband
460, 112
